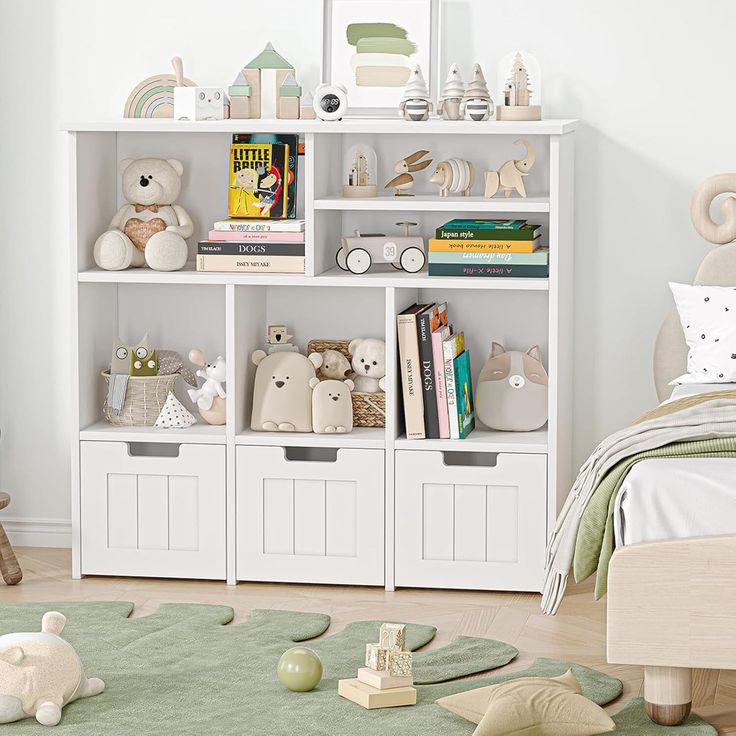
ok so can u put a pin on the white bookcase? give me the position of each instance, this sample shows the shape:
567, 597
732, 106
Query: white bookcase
367, 508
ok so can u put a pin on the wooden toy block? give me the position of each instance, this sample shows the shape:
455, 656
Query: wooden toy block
398, 664
392, 636
288, 108
383, 680
375, 657
370, 697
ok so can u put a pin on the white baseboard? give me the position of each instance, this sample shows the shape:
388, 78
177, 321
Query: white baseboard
38, 532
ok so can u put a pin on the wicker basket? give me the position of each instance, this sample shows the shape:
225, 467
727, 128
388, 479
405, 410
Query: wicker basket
369, 409
144, 399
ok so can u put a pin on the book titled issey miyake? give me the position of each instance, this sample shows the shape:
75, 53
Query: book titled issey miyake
411, 381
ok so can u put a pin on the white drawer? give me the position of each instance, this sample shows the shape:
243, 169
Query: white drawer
470, 526
153, 515
310, 520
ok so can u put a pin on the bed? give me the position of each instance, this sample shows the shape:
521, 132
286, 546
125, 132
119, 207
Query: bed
672, 578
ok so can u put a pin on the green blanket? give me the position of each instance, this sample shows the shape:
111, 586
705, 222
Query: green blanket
595, 541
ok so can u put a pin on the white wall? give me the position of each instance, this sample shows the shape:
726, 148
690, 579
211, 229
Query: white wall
649, 79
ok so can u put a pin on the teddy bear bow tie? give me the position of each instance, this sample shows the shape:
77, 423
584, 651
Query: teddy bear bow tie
141, 207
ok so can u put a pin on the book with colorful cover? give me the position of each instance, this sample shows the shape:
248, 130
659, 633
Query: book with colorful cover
438, 364
250, 264
411, 382
488, 230
437, 245
464, 395
239, 225
258, 177
428, 321
481, 270
451, 348
255, 237
217, 248
539, 258
292, 141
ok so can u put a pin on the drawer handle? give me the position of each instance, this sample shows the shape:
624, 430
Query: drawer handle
311, 454
470, 459
153, 449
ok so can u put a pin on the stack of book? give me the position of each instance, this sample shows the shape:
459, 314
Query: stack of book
253, 246
500, 248
435, 374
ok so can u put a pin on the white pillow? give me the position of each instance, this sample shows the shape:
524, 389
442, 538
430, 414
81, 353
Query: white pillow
708, 318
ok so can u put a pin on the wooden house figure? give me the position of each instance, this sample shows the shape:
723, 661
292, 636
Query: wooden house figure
265, 75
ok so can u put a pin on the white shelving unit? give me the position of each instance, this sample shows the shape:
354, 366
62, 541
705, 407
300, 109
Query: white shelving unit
370, 507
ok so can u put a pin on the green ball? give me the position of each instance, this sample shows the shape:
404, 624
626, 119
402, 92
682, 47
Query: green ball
299, 669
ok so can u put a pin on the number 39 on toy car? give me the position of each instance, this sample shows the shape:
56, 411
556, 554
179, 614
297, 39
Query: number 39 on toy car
404, 252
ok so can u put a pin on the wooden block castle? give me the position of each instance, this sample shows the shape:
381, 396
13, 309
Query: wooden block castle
266, 87
386, 681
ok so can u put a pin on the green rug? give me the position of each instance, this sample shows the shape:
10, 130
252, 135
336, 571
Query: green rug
182, 671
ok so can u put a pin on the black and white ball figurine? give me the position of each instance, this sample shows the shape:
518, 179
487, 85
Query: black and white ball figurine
330, 101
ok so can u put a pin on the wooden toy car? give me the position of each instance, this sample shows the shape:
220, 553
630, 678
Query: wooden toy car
405, 252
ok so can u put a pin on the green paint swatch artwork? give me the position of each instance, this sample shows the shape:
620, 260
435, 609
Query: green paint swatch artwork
356, 31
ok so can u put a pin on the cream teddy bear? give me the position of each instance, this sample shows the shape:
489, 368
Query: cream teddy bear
369, 364
40, 673
150, 229
332, 406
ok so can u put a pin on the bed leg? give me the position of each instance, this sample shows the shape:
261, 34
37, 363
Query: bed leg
668, 694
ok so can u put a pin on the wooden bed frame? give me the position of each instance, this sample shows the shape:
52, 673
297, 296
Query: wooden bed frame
672, 604
671, 608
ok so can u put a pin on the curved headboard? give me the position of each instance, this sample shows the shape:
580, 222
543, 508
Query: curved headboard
717, 269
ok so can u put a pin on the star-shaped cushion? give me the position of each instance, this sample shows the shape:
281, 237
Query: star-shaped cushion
532, 706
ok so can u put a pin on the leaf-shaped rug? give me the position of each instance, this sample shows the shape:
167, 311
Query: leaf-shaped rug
183, 671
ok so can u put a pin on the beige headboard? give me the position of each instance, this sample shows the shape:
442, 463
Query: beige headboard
717, 269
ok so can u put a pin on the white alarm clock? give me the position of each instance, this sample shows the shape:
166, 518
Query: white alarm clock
330, 101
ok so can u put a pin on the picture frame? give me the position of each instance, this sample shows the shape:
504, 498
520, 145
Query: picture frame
410, 24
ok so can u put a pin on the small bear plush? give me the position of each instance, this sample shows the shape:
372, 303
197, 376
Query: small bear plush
282, 392
369, 364
334, 365
149, 230
332, 406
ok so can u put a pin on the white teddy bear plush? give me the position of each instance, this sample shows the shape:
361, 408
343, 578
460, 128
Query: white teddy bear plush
150, 229
369, 364
40, 673
214, 375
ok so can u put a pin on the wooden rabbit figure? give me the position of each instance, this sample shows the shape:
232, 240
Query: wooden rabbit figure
405, 181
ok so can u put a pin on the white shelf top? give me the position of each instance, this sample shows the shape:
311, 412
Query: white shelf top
200, 433
379, 277
484, 440
434, 203
347, 125
362, 437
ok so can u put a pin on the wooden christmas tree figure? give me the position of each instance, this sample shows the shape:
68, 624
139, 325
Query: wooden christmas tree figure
452, 95
477, 103
517, 93
415, 104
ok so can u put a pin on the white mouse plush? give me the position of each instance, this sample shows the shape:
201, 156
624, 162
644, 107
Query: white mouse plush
214, 375
369, 364
40, 673
150, 229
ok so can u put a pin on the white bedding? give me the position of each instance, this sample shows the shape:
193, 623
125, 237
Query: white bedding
677, 498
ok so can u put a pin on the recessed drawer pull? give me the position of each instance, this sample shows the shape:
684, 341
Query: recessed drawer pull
470, 459
153, 449
311, 454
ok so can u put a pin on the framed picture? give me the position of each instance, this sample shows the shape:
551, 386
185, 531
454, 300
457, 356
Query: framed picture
369, 46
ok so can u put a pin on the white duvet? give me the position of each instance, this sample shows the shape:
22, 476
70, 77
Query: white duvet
677, 498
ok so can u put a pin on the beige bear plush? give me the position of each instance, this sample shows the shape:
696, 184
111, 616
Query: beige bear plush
334, 365
149, 230
369, 364
332, 406
40, 673
282, 393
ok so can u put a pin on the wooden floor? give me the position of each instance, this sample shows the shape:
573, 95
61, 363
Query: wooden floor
577, 633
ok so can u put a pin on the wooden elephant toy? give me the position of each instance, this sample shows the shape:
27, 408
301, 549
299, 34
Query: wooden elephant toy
510, 177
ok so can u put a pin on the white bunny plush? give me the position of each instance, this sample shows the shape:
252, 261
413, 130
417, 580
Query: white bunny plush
40, 673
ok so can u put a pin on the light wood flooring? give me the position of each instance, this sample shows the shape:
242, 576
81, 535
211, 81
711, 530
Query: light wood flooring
577, 633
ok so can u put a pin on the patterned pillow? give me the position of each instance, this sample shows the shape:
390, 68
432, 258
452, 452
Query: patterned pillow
708, 318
